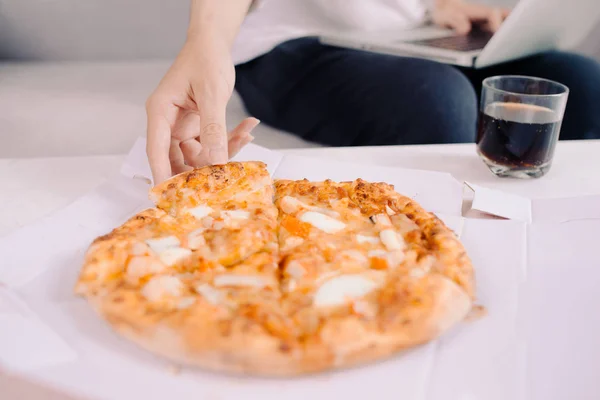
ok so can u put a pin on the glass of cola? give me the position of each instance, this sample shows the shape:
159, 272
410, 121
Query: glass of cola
519, 124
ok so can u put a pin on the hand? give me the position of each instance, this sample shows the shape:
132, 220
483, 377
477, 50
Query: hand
186, 113
460, 15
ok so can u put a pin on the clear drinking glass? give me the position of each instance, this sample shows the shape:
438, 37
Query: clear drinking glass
519, 124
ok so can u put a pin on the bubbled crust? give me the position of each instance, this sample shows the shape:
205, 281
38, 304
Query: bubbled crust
195, 187
270, 332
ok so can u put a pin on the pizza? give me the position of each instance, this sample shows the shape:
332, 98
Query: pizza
235, 272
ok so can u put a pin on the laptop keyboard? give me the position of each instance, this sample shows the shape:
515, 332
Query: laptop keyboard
475, 40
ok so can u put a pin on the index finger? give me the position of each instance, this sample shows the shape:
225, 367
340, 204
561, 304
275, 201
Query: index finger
158, 143
495, 19
477, 11
213, 133
492, 16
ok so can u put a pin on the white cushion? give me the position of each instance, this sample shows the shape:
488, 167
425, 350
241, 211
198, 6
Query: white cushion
70, 109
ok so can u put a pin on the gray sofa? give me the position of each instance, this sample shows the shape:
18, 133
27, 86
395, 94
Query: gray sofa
74, 74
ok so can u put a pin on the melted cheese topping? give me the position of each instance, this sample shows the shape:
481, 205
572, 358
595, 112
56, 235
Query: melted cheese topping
322, 222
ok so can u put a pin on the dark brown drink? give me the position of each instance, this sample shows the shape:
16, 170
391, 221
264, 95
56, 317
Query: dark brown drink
518, 135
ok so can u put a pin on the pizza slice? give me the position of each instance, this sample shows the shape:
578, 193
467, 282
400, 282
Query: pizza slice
232, 204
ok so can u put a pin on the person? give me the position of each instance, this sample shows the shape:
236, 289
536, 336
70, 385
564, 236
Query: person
330, 95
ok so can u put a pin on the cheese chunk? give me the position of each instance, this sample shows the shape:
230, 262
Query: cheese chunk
392, 240
186, 302
196, 239
322, 222
292, 205
161, 244
341, 289
295, 269
200, 212
235, 214
139, 249
161, 287
291, 242
352, 256
140, 267
173, 255
210, 294
392, 258
367, 239
377, 253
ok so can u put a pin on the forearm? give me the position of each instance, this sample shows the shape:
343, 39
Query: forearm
217, 19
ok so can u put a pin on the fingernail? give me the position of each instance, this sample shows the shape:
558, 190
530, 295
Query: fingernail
218, 156
254, 125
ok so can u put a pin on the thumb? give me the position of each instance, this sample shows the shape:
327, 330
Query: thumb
213, 133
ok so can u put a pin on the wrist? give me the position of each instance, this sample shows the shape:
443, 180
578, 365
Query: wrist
216, 20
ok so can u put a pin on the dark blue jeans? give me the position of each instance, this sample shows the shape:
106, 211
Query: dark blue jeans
343, 97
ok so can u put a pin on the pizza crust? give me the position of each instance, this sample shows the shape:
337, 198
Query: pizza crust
343, 342
241, 320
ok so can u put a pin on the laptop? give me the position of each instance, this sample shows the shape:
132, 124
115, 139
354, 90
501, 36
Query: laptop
532, 27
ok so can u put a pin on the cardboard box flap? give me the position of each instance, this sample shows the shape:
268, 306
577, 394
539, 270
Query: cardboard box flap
501, 204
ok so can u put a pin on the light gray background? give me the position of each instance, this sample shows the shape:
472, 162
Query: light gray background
114, 29
96, 63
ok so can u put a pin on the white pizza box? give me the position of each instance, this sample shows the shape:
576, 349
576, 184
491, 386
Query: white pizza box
539, 339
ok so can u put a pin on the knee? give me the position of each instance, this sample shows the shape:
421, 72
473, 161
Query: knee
580, 73
447, 107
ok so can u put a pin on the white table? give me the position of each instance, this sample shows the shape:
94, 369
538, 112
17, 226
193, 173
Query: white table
34, 187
